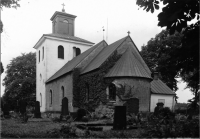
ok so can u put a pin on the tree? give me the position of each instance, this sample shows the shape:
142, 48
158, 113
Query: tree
20, 80
175, 16
2, 69
10, 3
160, 55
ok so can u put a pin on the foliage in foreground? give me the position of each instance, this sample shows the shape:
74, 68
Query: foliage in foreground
167, 125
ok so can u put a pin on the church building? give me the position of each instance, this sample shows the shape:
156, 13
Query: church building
87, 73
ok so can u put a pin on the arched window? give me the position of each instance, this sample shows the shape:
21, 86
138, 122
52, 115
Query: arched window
42, 53
61, 52
51, 97
65, 21
74, 51
78, 51
40, 100
40, 77
39, 56
63, 92
87, 92
112, 92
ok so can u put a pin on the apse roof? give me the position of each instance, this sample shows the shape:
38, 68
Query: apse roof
158, 87
69, 66
103, 55
128, 66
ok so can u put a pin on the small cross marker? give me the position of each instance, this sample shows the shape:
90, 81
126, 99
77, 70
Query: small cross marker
128, 33
63, 10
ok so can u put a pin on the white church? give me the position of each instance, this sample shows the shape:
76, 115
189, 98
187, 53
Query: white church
58, 53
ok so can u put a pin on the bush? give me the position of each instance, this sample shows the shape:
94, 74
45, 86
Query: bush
166, 124
80, 114
102, 111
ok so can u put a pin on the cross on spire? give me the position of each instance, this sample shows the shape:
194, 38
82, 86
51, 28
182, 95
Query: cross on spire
128, 33
63, 10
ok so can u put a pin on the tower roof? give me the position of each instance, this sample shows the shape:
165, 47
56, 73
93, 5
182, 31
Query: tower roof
62, 14
128, 66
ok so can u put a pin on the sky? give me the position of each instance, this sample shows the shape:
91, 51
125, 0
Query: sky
24, 26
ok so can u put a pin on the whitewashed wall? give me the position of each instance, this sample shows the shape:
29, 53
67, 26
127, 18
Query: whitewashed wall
51, 63
169, 101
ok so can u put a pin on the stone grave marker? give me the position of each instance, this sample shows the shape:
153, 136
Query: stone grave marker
5, 110
119, 117
132, 105
22, 106
64, 109
37, 113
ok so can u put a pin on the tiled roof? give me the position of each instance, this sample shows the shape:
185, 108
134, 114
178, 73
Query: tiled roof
69, 66
103, 55
68, 37
158, 87
128, 66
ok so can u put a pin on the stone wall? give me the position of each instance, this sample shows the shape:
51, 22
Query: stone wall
140, 89
67, 82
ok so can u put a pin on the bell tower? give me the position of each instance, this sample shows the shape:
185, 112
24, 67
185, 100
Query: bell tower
63, 23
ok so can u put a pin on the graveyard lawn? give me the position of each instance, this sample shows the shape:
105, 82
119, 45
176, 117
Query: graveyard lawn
16, 129
13, 128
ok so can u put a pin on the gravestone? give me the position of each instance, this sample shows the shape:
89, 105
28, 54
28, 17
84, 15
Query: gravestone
119, 117
5, 109
22, 106
64, 109
37, 113
132, 105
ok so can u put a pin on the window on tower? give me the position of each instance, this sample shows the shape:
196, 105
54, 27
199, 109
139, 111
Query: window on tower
61, 52
65, 21
42, 53
76, 51
39, 56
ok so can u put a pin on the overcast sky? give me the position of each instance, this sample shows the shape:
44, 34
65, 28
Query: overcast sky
24, 27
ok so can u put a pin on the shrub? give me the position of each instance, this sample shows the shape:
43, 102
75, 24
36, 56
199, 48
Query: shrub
80, 114
102, 111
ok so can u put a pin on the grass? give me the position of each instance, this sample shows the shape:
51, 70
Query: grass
13, 128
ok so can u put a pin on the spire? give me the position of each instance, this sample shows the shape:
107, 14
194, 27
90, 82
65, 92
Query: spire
63, 10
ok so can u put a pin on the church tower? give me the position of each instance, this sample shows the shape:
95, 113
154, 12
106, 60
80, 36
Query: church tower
54, 50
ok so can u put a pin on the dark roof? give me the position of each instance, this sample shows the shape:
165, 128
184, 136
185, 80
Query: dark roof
74, 38
128, 66
69, 66
103, 55
62, 13
158, 87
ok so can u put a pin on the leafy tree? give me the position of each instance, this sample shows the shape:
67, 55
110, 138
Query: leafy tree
175, 16
10, 3
160, 55
2, 69
20, 80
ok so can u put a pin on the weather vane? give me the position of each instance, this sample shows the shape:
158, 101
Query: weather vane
128, 33
63, 10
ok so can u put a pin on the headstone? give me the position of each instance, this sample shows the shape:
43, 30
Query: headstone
22, 106
5, 110
132, 105
119, 117
65, 110
37, 113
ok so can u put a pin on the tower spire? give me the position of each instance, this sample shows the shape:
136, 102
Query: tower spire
63, 10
